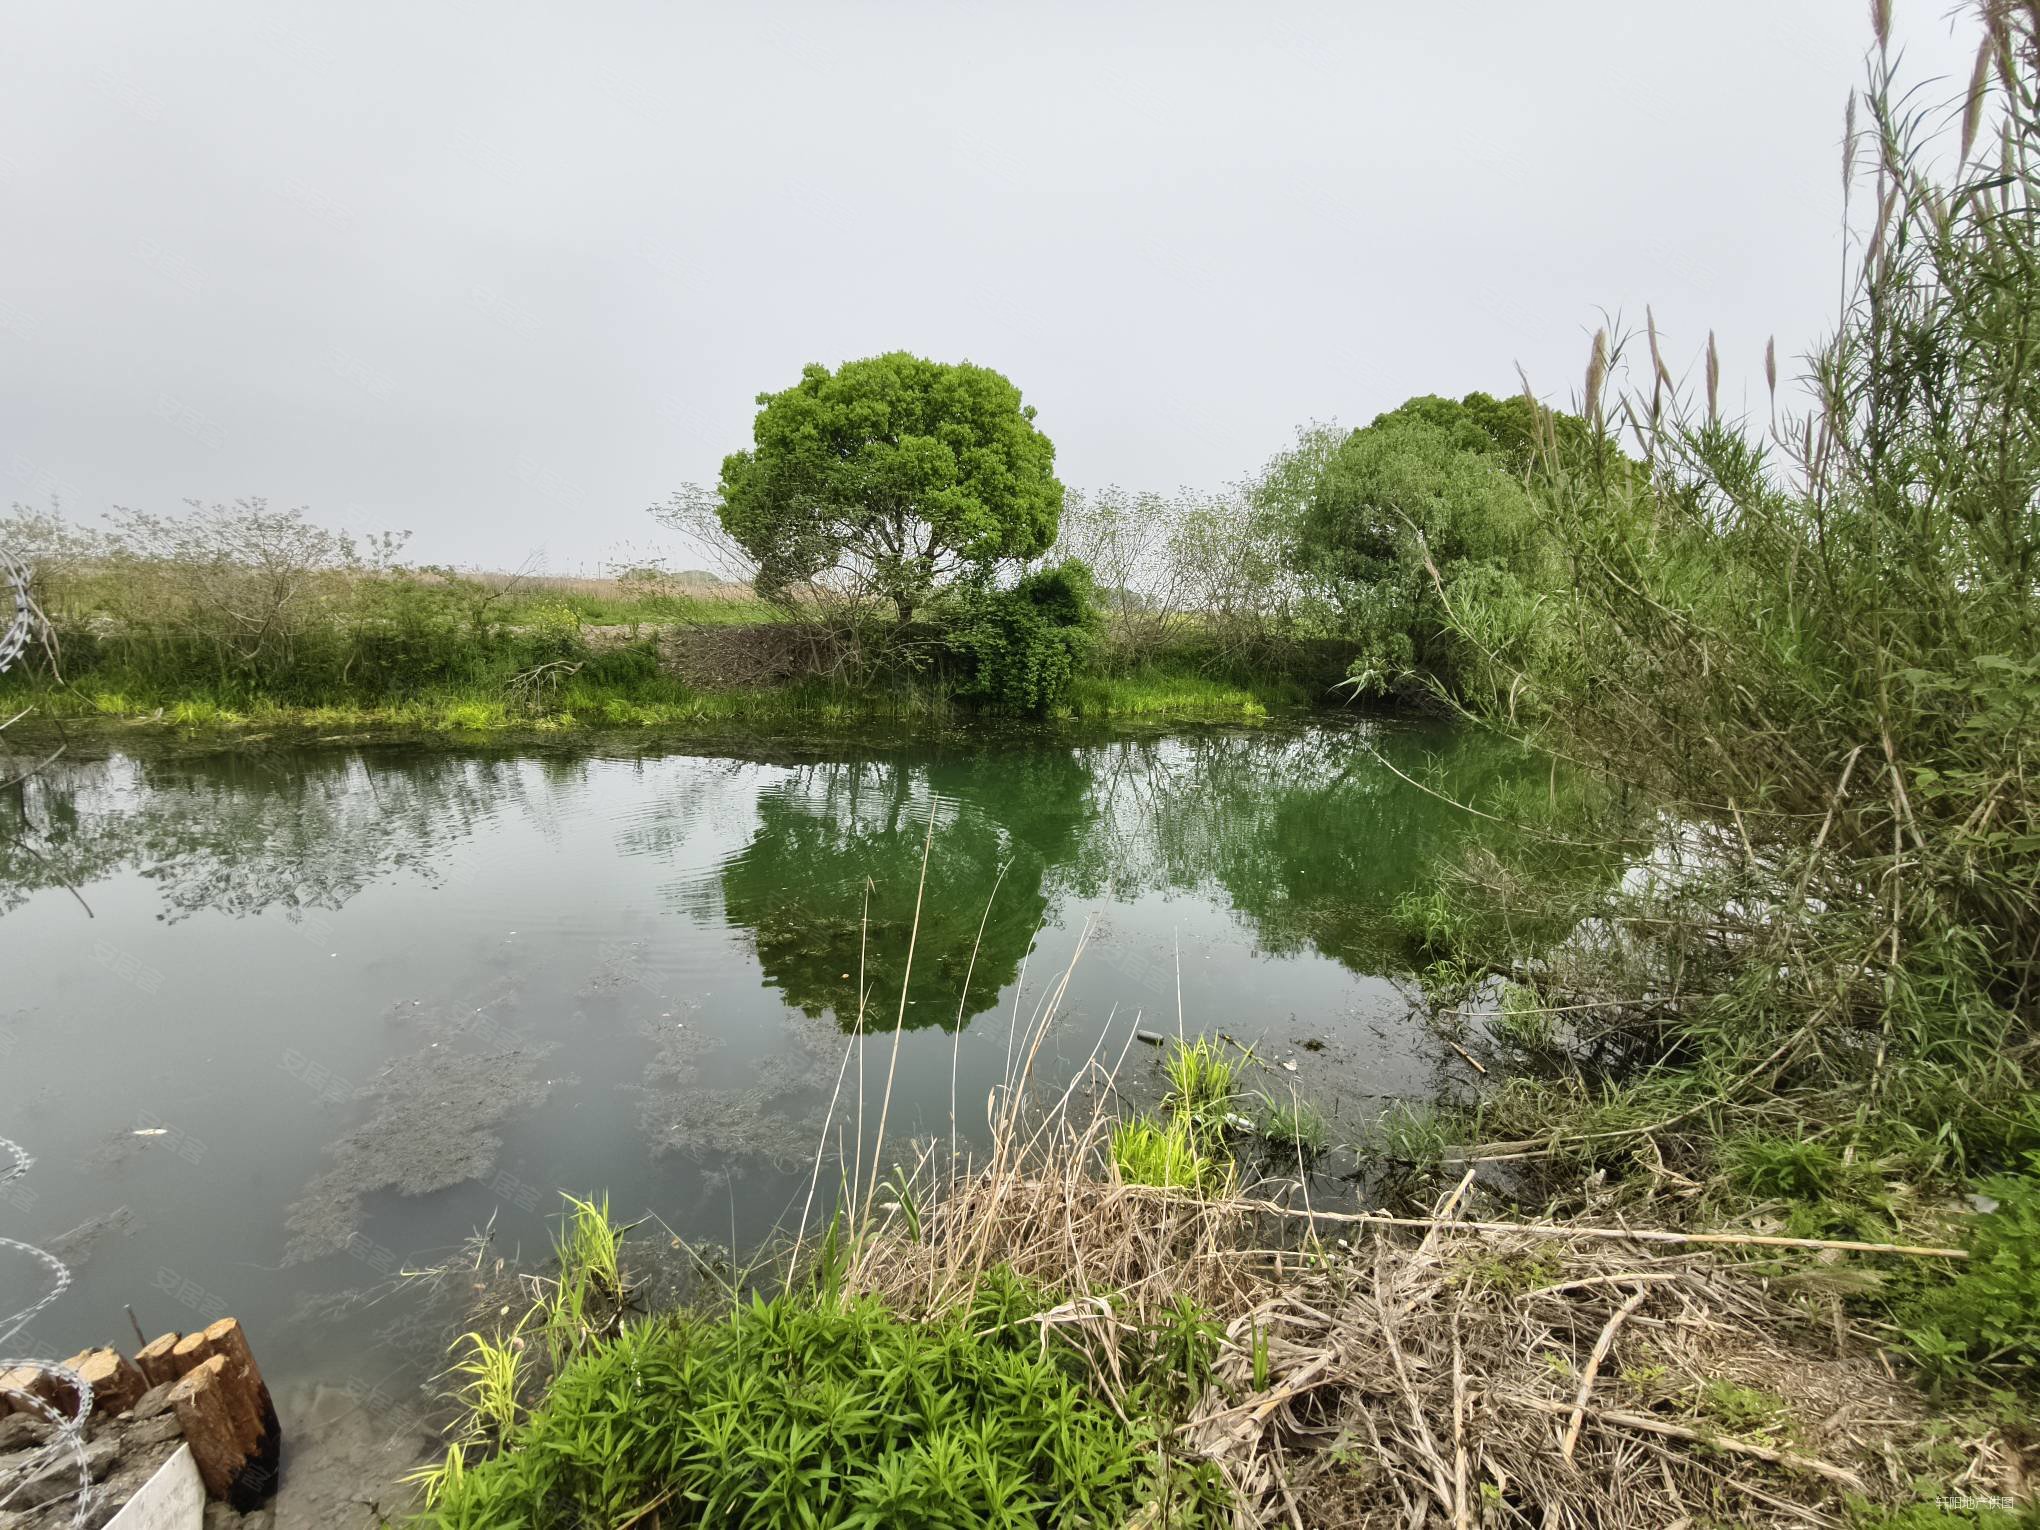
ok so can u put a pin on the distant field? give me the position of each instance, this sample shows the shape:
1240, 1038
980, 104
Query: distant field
692, 597
694, 582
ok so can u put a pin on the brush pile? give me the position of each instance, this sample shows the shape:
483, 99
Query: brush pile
1482, 1379
1449, 1372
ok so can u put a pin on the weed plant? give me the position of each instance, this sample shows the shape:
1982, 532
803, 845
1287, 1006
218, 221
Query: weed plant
1203, 1083
1294, 1130
1165, 1154
803, 1411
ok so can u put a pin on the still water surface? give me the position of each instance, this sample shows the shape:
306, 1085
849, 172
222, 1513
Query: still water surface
332, 1011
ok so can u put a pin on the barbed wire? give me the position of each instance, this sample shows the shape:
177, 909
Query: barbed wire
67, 1424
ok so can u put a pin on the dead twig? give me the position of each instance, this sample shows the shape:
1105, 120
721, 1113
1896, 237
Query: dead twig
1593, 1369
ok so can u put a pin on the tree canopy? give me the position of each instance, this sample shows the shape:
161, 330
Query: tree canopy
890, 478
1431, 495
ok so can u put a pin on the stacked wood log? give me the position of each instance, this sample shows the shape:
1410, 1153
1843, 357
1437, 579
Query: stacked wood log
208, 1380
225, 1409
154, 1359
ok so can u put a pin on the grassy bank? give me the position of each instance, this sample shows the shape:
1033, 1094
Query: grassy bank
1068, 1330
625, 691
236, 619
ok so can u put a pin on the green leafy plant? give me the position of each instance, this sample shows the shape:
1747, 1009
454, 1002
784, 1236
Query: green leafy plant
1203, 1083
1981, 1323
1294, 1129
800, 1413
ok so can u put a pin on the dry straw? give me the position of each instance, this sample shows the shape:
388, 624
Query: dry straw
1426, 1370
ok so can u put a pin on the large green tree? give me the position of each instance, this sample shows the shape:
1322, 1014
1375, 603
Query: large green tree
890, 478
1423, 514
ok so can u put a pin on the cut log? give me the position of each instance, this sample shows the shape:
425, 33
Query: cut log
63, 1393
21, 1384
191, 1351
117, 1383
229, 1341
222, 1395
200, 1403
154, 1359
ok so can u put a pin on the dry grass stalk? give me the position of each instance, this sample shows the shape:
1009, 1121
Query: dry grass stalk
1380, 1369
1412, 1381
1438, 1371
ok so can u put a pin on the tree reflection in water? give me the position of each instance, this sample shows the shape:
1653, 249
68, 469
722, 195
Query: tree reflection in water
1307, 837
244, 833
1303, 834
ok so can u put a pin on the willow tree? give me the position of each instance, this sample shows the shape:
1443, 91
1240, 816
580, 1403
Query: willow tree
889, 479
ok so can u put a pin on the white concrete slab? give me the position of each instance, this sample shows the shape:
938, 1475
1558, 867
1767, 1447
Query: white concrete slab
173, 1499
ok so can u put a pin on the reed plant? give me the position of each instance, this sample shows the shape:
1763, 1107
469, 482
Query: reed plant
1806, 655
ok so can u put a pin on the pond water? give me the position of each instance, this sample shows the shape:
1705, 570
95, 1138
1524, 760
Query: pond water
332, 1011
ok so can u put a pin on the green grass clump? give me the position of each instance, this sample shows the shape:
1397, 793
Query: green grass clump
806, 1412
1295, 1129
491, 1394
200, 714
1163, 694
585, 1301
1742, 1409
1795, 1167
1411, 1132
1522, 1022
1166, 1154
1945, 1513
1203, 1082
1826, 1193
591, 1244
1430, 923
472, 716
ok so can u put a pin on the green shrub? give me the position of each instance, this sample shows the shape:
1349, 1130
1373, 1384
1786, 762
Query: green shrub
1987, 1318
1420, 531
798, 1412
553, 628
1022, 647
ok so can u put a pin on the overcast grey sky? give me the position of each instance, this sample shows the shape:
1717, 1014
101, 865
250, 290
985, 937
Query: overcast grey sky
504, 274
